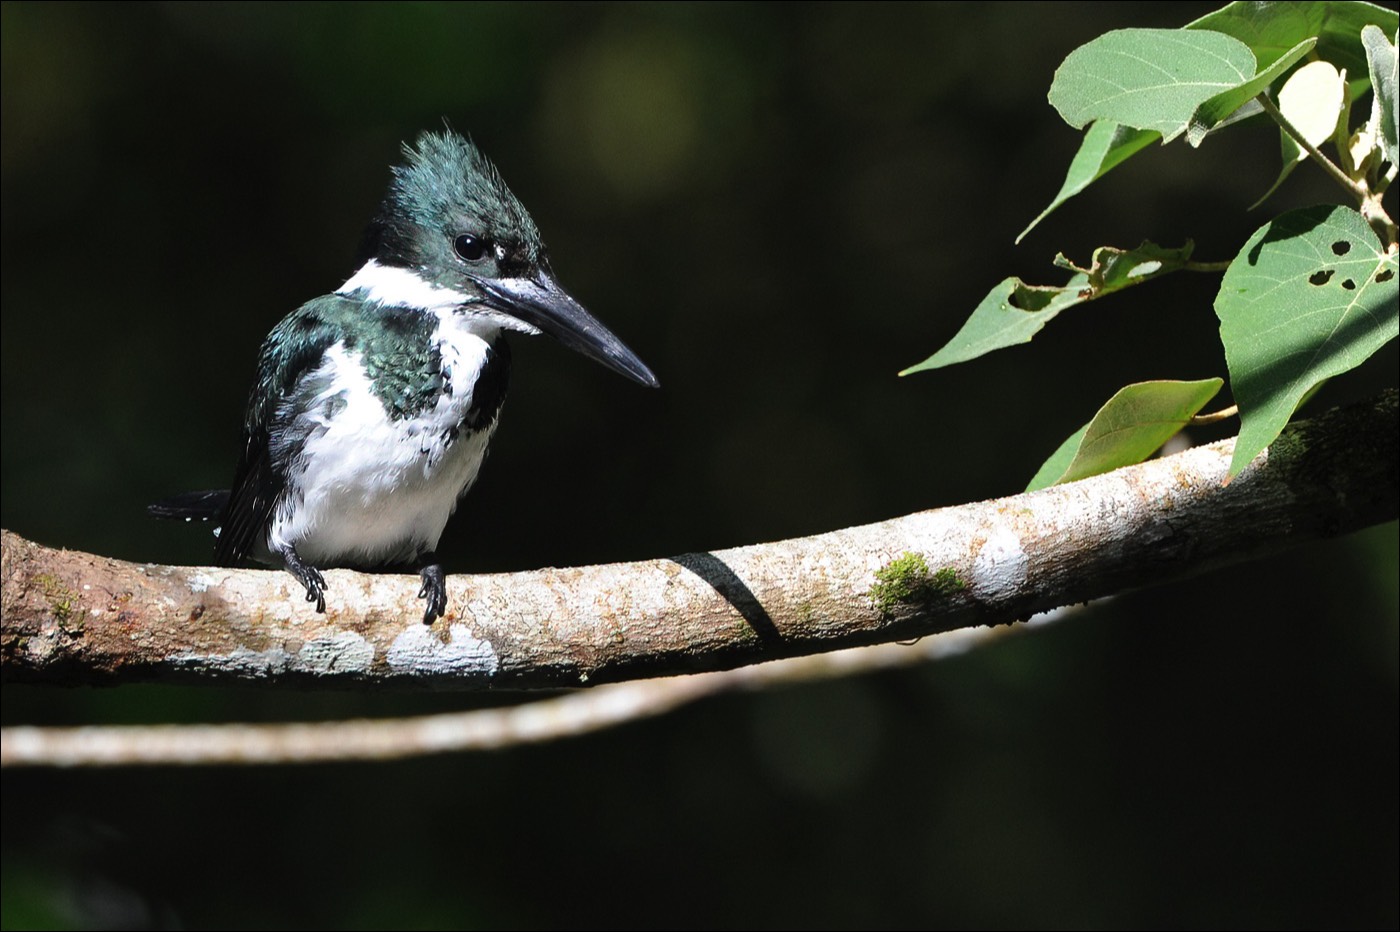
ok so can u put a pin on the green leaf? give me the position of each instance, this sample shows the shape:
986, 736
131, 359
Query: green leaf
1271, 29
1312, 100
1148, 78
1114, 269
1057, 465
1214, 111
1381, 61
1011, 313
1105, 146
1128, 429
1014, 312
1277, 34
1310, 296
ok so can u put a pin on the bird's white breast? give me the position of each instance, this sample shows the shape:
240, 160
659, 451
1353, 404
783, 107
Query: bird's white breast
368, 489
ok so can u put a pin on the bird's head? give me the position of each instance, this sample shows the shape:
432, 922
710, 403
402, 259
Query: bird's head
450, 222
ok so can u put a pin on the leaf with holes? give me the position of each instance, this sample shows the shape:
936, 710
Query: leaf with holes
1114, 269
1014, 312
1011, 313
1150, 79
1129, 428
1312, 295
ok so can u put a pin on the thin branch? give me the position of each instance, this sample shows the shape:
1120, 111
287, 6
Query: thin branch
1339, 176
68, 617
1368, 200
571, 715
1213, 417
1221, 266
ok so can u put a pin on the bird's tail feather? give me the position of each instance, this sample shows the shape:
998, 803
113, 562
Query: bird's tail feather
191, 506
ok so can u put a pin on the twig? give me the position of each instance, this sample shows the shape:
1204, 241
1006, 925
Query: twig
1339, 176
1213, 417
478, 730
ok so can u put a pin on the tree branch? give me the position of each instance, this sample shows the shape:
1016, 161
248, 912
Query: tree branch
68, 617
534, 722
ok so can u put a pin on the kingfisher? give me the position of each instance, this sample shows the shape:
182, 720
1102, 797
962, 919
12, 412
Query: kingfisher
371, 409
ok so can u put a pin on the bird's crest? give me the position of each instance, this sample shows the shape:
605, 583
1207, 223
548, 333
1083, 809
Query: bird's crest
446, 179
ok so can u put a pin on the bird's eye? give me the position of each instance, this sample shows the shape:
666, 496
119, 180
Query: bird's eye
470, 248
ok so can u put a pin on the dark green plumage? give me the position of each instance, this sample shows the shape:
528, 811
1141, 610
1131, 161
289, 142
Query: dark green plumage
447, 184
398, 354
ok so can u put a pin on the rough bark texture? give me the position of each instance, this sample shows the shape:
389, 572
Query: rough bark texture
574, 713
71, 617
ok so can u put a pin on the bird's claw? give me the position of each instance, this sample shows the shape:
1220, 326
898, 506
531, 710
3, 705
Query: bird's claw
308, 576
435, 591
315, 585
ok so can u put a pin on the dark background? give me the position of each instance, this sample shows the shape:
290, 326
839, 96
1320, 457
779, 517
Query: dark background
778, 208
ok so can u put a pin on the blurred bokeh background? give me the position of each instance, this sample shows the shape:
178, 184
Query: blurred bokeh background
778, 207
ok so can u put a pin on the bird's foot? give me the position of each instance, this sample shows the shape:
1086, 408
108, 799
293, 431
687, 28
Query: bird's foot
434, 588
308, 576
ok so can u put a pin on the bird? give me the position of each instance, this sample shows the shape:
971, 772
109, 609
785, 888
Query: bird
372, 407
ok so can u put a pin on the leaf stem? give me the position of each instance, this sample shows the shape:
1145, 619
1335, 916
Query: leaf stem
1203, 419
1339, 176
1206, 266
1380, 221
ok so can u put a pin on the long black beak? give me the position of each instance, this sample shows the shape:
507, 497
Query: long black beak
540, 302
